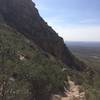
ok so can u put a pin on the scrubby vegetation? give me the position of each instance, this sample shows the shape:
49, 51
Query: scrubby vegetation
90, 54
25, 70
32, 56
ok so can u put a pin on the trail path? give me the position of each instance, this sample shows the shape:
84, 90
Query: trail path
74, 92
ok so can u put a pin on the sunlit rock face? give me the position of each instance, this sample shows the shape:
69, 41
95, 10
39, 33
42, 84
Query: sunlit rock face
24, 17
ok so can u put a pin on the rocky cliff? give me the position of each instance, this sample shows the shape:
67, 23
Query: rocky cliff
24, 17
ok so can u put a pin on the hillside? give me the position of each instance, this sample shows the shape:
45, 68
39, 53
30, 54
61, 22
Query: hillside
34, 61
24, 17
89, 52
25, 70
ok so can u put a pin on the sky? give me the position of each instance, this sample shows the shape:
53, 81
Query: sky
74, 20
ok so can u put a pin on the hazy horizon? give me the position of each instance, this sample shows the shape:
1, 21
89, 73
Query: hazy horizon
74, 20
84, 41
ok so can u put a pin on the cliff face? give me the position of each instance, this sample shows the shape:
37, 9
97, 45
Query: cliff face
24, 17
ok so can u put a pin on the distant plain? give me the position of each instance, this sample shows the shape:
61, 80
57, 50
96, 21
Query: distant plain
89, 52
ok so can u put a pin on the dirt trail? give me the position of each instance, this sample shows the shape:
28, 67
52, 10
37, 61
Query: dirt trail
74, 92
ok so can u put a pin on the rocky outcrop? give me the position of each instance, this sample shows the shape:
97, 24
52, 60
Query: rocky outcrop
24, 17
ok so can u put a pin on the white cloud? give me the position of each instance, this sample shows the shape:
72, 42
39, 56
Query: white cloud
79, 33
84, 31
55, 20
90, 20
74, 32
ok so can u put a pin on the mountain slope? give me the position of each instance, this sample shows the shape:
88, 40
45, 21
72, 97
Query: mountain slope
34, 61
26, 72
24, 17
